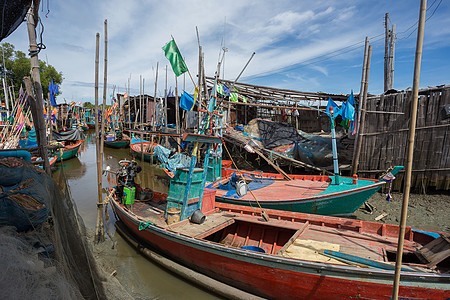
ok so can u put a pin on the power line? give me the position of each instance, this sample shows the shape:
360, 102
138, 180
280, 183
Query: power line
432, 14
316, 59
338, 52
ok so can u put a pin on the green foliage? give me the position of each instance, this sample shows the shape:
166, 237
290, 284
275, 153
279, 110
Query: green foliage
17, 65
88, 105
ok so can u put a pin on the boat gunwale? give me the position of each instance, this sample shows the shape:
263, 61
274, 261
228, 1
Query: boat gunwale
262, 258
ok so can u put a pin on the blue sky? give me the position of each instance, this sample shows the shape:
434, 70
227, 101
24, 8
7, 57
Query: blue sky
301, 45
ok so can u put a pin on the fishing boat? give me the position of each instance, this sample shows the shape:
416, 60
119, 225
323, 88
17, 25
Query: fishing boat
70, 150
113, 140
71, 140
279, 254
315, 194
145, 148
38, 160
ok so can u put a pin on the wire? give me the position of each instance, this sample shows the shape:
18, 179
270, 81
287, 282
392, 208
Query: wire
415, 29
338, 52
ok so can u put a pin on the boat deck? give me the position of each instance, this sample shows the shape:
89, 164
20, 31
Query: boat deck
285, 237
279, 189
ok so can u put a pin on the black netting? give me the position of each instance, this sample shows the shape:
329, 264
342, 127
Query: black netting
12, 13
274, 134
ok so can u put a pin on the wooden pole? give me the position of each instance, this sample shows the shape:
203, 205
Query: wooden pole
165, 111
38, 117
386, 51
412, 131
177, 112
360, 102
140, 118
105, 86
154, 100
49, 118
391, 58
98, 228
129, 102
362, 122
6, 97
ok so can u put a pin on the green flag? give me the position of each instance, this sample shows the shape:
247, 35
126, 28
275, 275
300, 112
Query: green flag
174, 56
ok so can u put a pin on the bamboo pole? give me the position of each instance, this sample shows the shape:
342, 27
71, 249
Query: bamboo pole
105, 87
129, 102
412, 128
165, 111
386, 51
6, 97
154, 111
38, 115
177, 113
140, 118
98, 228
362, 122
49, 118
391, 58
360, 102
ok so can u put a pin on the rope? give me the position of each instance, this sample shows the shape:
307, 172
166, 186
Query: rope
242, 176
145, 224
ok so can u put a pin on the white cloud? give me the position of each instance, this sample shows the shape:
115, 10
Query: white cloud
282, 34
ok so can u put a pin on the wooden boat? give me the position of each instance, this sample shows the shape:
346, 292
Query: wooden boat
70, 150
111, 142
38, 160
146, 150
293, 255
304, 193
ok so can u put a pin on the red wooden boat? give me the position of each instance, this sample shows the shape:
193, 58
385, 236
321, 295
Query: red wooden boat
293, 255
145, 148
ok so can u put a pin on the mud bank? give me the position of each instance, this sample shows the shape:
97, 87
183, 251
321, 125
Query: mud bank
430, 211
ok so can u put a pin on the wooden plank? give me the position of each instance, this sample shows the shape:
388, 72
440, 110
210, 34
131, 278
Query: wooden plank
436, 251
294, 237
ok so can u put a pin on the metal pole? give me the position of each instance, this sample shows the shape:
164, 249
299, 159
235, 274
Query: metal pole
412, 131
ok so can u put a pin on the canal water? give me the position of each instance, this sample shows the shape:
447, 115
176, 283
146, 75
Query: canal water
140, 277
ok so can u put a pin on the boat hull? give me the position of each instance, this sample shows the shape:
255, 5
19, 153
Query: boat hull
136, 150
334, 204
274, 276
69, 151
117, 144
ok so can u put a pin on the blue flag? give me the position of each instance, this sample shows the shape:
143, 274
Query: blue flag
187, 101
226, 90
332, 104
351, 99
348, 111
53, 89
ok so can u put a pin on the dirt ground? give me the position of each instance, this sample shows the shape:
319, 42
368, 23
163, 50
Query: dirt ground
430, 211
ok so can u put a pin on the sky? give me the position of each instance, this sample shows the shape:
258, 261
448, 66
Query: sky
306, 46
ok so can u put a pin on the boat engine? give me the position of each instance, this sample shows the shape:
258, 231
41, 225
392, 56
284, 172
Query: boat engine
125, 176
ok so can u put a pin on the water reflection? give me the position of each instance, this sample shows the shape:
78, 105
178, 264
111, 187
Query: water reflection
139, 276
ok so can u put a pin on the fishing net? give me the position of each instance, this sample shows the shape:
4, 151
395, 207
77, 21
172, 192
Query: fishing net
13, 14
52, 259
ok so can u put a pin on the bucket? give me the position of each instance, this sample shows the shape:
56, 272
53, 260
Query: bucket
173, 215
129, 193
253, 248
197, 217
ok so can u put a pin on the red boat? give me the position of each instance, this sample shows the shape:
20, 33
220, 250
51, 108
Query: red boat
293, 255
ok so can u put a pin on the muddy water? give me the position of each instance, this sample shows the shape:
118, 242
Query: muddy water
140, 277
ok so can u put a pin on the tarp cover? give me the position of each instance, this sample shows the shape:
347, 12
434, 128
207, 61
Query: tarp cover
274, 134
13, 14
73, 135
173, 162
